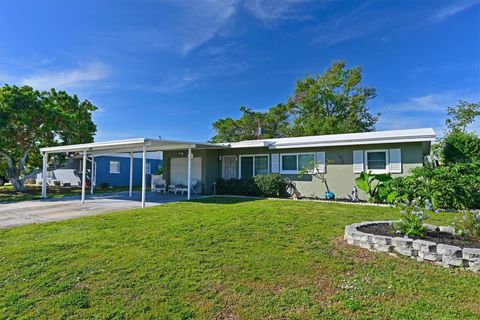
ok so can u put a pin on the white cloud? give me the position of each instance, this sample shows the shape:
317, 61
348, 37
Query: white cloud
195, 23
454, 8
272, 10
67, 79
190, 79
423, 111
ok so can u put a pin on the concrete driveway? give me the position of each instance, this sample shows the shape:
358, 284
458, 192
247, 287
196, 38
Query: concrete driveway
38, 211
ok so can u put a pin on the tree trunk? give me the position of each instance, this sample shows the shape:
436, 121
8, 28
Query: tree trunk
17, 184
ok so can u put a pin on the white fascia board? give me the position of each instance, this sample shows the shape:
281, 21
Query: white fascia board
249, 144
106, 145
346, 143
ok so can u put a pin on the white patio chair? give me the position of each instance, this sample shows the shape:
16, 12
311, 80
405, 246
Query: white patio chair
184, 188
158, 184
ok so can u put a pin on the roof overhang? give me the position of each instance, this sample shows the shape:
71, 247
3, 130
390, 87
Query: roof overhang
131, 145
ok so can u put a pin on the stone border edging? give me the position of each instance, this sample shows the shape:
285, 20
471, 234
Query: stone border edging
442, 254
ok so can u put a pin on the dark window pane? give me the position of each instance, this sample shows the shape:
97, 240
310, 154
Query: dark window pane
261, 165
305, 161
247, 167
289, 162
377, 160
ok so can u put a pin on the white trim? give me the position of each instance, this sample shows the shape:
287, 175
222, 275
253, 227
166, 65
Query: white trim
294, 154
387, 161
252, 155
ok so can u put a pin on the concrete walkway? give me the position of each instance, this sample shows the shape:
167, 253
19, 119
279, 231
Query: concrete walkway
56, 209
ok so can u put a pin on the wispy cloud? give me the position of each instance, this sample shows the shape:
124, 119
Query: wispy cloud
196, 22
67, 79
273, 10
189, 79
423, 111
453, 9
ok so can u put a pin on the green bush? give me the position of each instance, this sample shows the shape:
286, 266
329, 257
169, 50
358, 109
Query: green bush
271, 185
374, 185
460, 147
455, 186
267, 185
468, 225
412, 215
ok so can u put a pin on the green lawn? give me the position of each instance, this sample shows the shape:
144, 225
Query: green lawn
7, 194
221, 258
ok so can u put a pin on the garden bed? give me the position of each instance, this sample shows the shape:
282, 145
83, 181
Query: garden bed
432, 234
440, 246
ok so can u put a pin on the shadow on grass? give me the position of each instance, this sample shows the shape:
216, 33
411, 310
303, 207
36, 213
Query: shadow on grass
226, 199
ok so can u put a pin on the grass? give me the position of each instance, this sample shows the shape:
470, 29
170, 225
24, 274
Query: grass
222, 258
33, 192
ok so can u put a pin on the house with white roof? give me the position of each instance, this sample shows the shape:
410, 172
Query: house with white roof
336, 160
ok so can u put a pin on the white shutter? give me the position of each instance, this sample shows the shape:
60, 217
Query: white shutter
275, 163
357, 161
395, 161
321, 164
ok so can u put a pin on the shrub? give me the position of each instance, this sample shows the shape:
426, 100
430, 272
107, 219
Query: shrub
412, 215
271, 185
468, 225
268, 185
104, 185
374, 185
460, 147
450, 187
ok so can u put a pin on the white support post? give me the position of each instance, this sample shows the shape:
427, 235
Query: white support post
144, 178
84, 171
44, 175
130, 189
189, 172
92, 173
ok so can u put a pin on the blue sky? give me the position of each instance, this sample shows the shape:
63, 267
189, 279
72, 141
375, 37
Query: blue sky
170, 68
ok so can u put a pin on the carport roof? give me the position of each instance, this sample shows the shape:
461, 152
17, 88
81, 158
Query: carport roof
132, 145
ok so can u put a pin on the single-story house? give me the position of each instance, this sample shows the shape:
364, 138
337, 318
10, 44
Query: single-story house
338, 158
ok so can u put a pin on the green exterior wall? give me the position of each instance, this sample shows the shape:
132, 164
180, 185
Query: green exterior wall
339, 177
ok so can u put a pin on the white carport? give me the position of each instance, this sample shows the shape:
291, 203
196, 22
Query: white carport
142, 145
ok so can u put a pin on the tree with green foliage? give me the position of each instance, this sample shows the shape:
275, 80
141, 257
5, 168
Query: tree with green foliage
30, 119
333, 102
462, 115
274, 123
329, 103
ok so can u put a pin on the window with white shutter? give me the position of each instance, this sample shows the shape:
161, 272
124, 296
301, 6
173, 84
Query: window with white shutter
321, 162
275, 163
357, 161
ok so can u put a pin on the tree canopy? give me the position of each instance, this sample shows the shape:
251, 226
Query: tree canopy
31, 119
329, 103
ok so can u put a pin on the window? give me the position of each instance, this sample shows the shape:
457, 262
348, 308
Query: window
377, 161
229, 167
253, 165
294, 163
148, 168
114, 166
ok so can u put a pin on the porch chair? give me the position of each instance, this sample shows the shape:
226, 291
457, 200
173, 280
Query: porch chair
158, 184
182, 187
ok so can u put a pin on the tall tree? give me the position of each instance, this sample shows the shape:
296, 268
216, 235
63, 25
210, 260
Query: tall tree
333, 102
462, 115
30, 119
273, 123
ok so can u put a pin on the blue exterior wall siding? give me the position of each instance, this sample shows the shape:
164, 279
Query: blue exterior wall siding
122, 179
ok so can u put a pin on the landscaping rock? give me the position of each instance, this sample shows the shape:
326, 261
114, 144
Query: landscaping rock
471, 254
382, 248
447, 229
452, 251
429, 256
454, 262
431, 227
474, 266
410, 252
425, 246
383, 240
402, 242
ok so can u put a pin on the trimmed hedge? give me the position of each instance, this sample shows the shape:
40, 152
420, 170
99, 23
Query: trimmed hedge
267, 185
